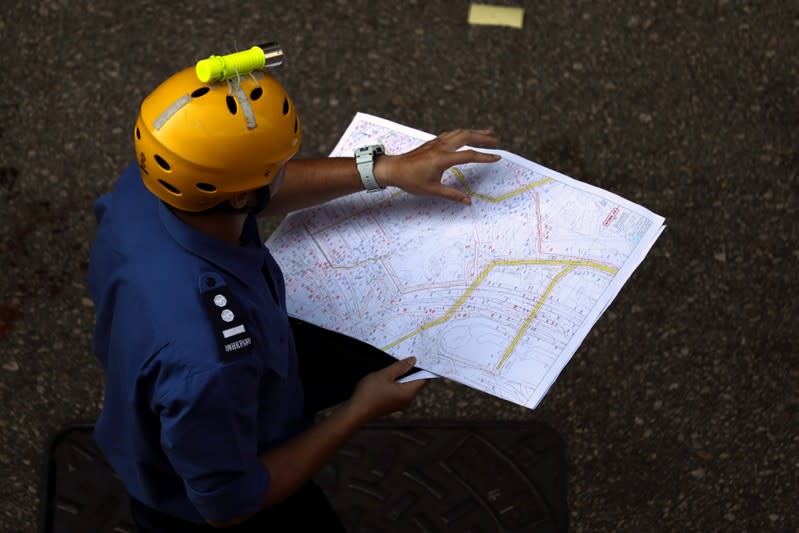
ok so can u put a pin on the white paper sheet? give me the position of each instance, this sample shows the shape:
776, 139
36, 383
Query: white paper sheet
498, 295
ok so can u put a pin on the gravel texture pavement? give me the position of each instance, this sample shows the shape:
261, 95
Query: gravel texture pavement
680, 410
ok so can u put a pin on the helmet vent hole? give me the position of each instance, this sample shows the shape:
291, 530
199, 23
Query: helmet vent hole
256, 93
168, 186
296, 125
162, 162
231, 104
285, 106
206, 187
138, 133
199, 92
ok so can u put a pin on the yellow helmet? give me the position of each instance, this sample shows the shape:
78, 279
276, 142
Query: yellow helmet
199, 144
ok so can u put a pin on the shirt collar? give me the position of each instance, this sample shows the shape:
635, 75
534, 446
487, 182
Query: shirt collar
244, 262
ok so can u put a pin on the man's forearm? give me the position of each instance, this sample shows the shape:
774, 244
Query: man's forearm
310, 182
376, 395
296, 461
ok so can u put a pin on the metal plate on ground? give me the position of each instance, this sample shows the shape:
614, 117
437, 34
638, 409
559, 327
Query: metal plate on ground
487, 477
80, 491
465, 478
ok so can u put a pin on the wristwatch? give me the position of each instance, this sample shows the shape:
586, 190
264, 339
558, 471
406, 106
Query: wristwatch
365, 158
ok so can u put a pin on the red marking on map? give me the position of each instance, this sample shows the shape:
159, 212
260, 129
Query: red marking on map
611, 216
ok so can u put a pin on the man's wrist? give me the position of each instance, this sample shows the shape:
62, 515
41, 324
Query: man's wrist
382, 170
353, 415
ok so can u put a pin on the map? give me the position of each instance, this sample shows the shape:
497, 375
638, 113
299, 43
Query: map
498, 295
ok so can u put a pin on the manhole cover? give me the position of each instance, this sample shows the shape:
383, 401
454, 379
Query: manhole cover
489, 477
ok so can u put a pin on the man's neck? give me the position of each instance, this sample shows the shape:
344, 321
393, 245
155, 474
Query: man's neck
223, 226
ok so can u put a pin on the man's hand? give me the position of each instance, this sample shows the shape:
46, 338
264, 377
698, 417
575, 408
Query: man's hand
419, 171
378, 393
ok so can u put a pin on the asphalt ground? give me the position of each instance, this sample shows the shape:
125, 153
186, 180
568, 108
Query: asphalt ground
679, 411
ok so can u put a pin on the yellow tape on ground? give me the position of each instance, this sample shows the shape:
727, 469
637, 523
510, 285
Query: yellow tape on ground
487, 15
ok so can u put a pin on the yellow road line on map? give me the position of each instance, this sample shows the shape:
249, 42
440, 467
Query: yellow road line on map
519, 334
462, 180
564, 262
448, 314
570, 264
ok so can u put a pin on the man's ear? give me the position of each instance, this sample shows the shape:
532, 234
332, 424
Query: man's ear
240, 200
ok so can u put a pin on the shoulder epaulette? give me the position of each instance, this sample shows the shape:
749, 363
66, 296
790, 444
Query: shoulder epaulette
225, 314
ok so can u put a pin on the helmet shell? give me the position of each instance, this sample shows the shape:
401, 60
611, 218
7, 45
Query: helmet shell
200, 144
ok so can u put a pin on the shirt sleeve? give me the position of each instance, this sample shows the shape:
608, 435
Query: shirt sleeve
209, 433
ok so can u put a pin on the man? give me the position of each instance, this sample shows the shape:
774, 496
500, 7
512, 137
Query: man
211, 388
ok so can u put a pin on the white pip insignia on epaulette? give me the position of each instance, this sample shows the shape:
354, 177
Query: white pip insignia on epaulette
225, 314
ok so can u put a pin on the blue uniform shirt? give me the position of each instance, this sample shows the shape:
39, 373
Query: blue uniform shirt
200, 365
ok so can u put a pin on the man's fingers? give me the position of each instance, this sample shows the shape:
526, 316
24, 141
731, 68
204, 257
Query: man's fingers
414, 386
395, 370
457, 138
471, 156
454, 194
466, 132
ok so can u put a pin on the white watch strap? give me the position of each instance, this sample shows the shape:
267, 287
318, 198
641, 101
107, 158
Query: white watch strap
365, 160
